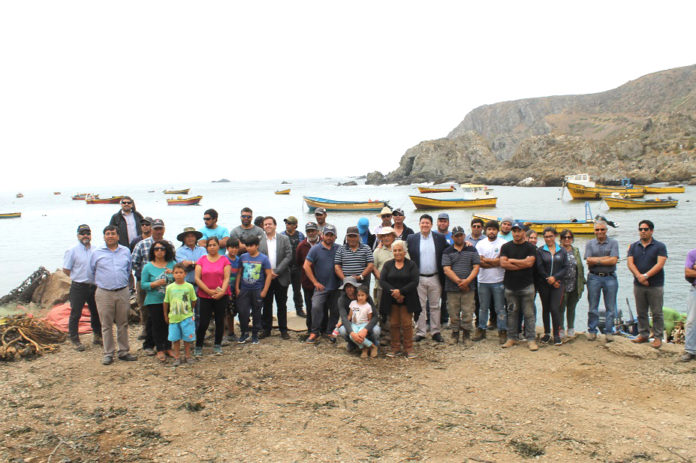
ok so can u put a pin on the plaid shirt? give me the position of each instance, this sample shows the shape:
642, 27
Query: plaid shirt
140, 256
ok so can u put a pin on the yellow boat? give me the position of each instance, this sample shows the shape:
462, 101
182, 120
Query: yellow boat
425, 189
10, 215
578, 227
663, 190
179, 201
626, 203
183, 191
423, 202
283, 192
586, 192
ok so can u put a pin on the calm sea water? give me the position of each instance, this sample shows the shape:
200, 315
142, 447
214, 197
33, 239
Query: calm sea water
48, 223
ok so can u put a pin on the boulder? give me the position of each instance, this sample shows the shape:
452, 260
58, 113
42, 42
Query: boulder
374, 178
53, 290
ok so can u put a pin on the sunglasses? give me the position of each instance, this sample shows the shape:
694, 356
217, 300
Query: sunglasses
386, 215
85, 233
476, 226
566, 237
643, 229
207, 218
159, 248
600, 229
246, 216
126, 202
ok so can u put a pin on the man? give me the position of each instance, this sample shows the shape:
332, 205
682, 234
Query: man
140, 257
319, 268
401, 230
461, 265
189, 252
646, 261
146, 231
246, 229
354, 258
386, 221
491, 289
366, 237
690, 338
211, 228
443, 223
320, 215
277, 248
601, 256
371, 330
517, 257
127, 221
313, 238
426, 250
505, 228
76, 265
295, 238
476, 234
111, 267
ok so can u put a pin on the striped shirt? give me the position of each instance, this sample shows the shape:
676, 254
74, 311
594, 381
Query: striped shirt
462, 263
354, 262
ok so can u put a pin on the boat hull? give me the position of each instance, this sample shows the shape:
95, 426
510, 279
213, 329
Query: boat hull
283, 192
580, 227
425, 190
423, 202
177, 192
11, 215
337, 206
112, 200
585, 192
620, 203
192, 201
659, 190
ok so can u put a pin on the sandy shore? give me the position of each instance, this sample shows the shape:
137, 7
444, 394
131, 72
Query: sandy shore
285, 401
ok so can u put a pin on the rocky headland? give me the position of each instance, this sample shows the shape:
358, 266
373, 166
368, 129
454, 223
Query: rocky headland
644, 129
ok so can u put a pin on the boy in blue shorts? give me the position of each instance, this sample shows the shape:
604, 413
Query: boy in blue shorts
252, 284
232, 250
178, 313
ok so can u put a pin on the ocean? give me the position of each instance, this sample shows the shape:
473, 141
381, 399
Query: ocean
49, 222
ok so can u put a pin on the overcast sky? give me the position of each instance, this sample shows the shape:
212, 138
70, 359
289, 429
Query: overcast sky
131, 91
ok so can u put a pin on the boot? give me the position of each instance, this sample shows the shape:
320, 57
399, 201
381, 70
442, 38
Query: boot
502, 336
466, 339
479, 335
455, 336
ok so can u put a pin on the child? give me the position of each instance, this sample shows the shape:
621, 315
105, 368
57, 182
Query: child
178, 313
232, 250
360, 313
251, 288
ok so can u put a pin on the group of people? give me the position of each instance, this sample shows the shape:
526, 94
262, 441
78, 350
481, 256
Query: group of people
488, 278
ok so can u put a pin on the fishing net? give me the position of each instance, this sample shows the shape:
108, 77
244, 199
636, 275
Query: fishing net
23, 336
25, 291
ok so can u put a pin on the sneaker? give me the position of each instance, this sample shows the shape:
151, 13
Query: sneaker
546, 338
509, 343
217, 349
149, 351
197, 351
77, 345
437, 337
533, 346
571, 333
243, 338
254, 339
97, 340
232, 338
177, 362
411, 355
107, 360
332, 338
391, 354
128, 357
592, 336
557, 341
225, 343
479, 335
312, 339
300, 313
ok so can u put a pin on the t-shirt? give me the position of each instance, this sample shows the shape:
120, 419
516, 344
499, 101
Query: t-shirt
218, 232
354, 262
242, 234
234, 270
212, 274
322, 260
690, 261
491, 250
152, 273
180, 298
645, 257
518, 279
462, 264
507, 237
253, 271
360, 312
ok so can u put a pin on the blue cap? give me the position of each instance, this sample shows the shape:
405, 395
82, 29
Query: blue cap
517, 225
363, 224
443, 215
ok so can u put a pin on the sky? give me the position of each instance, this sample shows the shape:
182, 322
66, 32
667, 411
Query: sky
131, 92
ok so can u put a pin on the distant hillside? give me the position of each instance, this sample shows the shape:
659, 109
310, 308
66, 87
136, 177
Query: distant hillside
645, 129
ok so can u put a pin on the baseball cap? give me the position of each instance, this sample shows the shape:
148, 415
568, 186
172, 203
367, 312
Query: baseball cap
157, 223
83, 227
146, 219
443, 215
363, 224
351, 231
311, 226
292, 219
457, 231
517, 225
320, 211
328, 228
398, 211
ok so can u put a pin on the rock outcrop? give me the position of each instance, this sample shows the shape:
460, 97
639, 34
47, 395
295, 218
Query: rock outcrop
53, 290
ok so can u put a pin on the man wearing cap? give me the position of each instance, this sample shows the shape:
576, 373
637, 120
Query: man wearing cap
140, 257
277, 248
461, 265
401, 230
320, 215
366, 237
146, 232
313, 238
211, 228
371, 330
111, 267
443, 223
505, 228
319, 268
127, 221
76, 265
426, 250
517, 257
247, 229
354, 258
491, 289
295, 237
601, 256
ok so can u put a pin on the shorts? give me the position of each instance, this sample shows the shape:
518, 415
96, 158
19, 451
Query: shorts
185, 331
232, 305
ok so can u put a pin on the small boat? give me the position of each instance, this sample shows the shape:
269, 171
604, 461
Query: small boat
423, 202
663, 190
82, 196
578, 227
56, 193
617, 202
183, 191
10, 215
179, 201
426, 190
475, 188
97, 200
20, 195
331, 205
283, 192
578, 191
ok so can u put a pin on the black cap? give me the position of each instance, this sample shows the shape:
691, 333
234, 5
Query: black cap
146, 220
457, 231
83, 227
352, 231
158, 223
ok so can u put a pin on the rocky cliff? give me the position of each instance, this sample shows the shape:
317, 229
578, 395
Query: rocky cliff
645, 129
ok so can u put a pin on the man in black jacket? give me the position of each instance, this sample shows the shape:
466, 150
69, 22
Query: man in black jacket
127, 220
371, 331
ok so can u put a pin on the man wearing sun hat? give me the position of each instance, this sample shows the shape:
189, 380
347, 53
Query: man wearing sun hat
189, 252
386, 216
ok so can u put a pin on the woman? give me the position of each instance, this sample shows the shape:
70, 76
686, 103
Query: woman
401, 231
399, 281
212, 278
574, 282
552, 267
155, 276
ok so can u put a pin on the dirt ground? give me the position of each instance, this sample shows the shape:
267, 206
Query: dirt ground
286, 401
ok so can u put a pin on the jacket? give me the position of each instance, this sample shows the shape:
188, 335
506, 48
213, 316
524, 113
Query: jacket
120, 223
409, 290
413, 242
580, 285
283, 257
551, 266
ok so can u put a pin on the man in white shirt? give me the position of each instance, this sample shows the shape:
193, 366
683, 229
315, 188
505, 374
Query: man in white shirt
490, 282
277, 248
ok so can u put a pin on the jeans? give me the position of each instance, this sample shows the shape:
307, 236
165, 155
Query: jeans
608, 285
372, 335
496, 293
521, 303
690, 342
295, 282
249, 302
308, 293
212, 307
320, 301
649, 299
81, 294
551, 305
568, 304
280, 293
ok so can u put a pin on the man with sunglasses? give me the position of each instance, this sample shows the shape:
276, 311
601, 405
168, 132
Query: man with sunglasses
601, 255
646, 261
127, 221
247, 229
211, 228
82, 288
